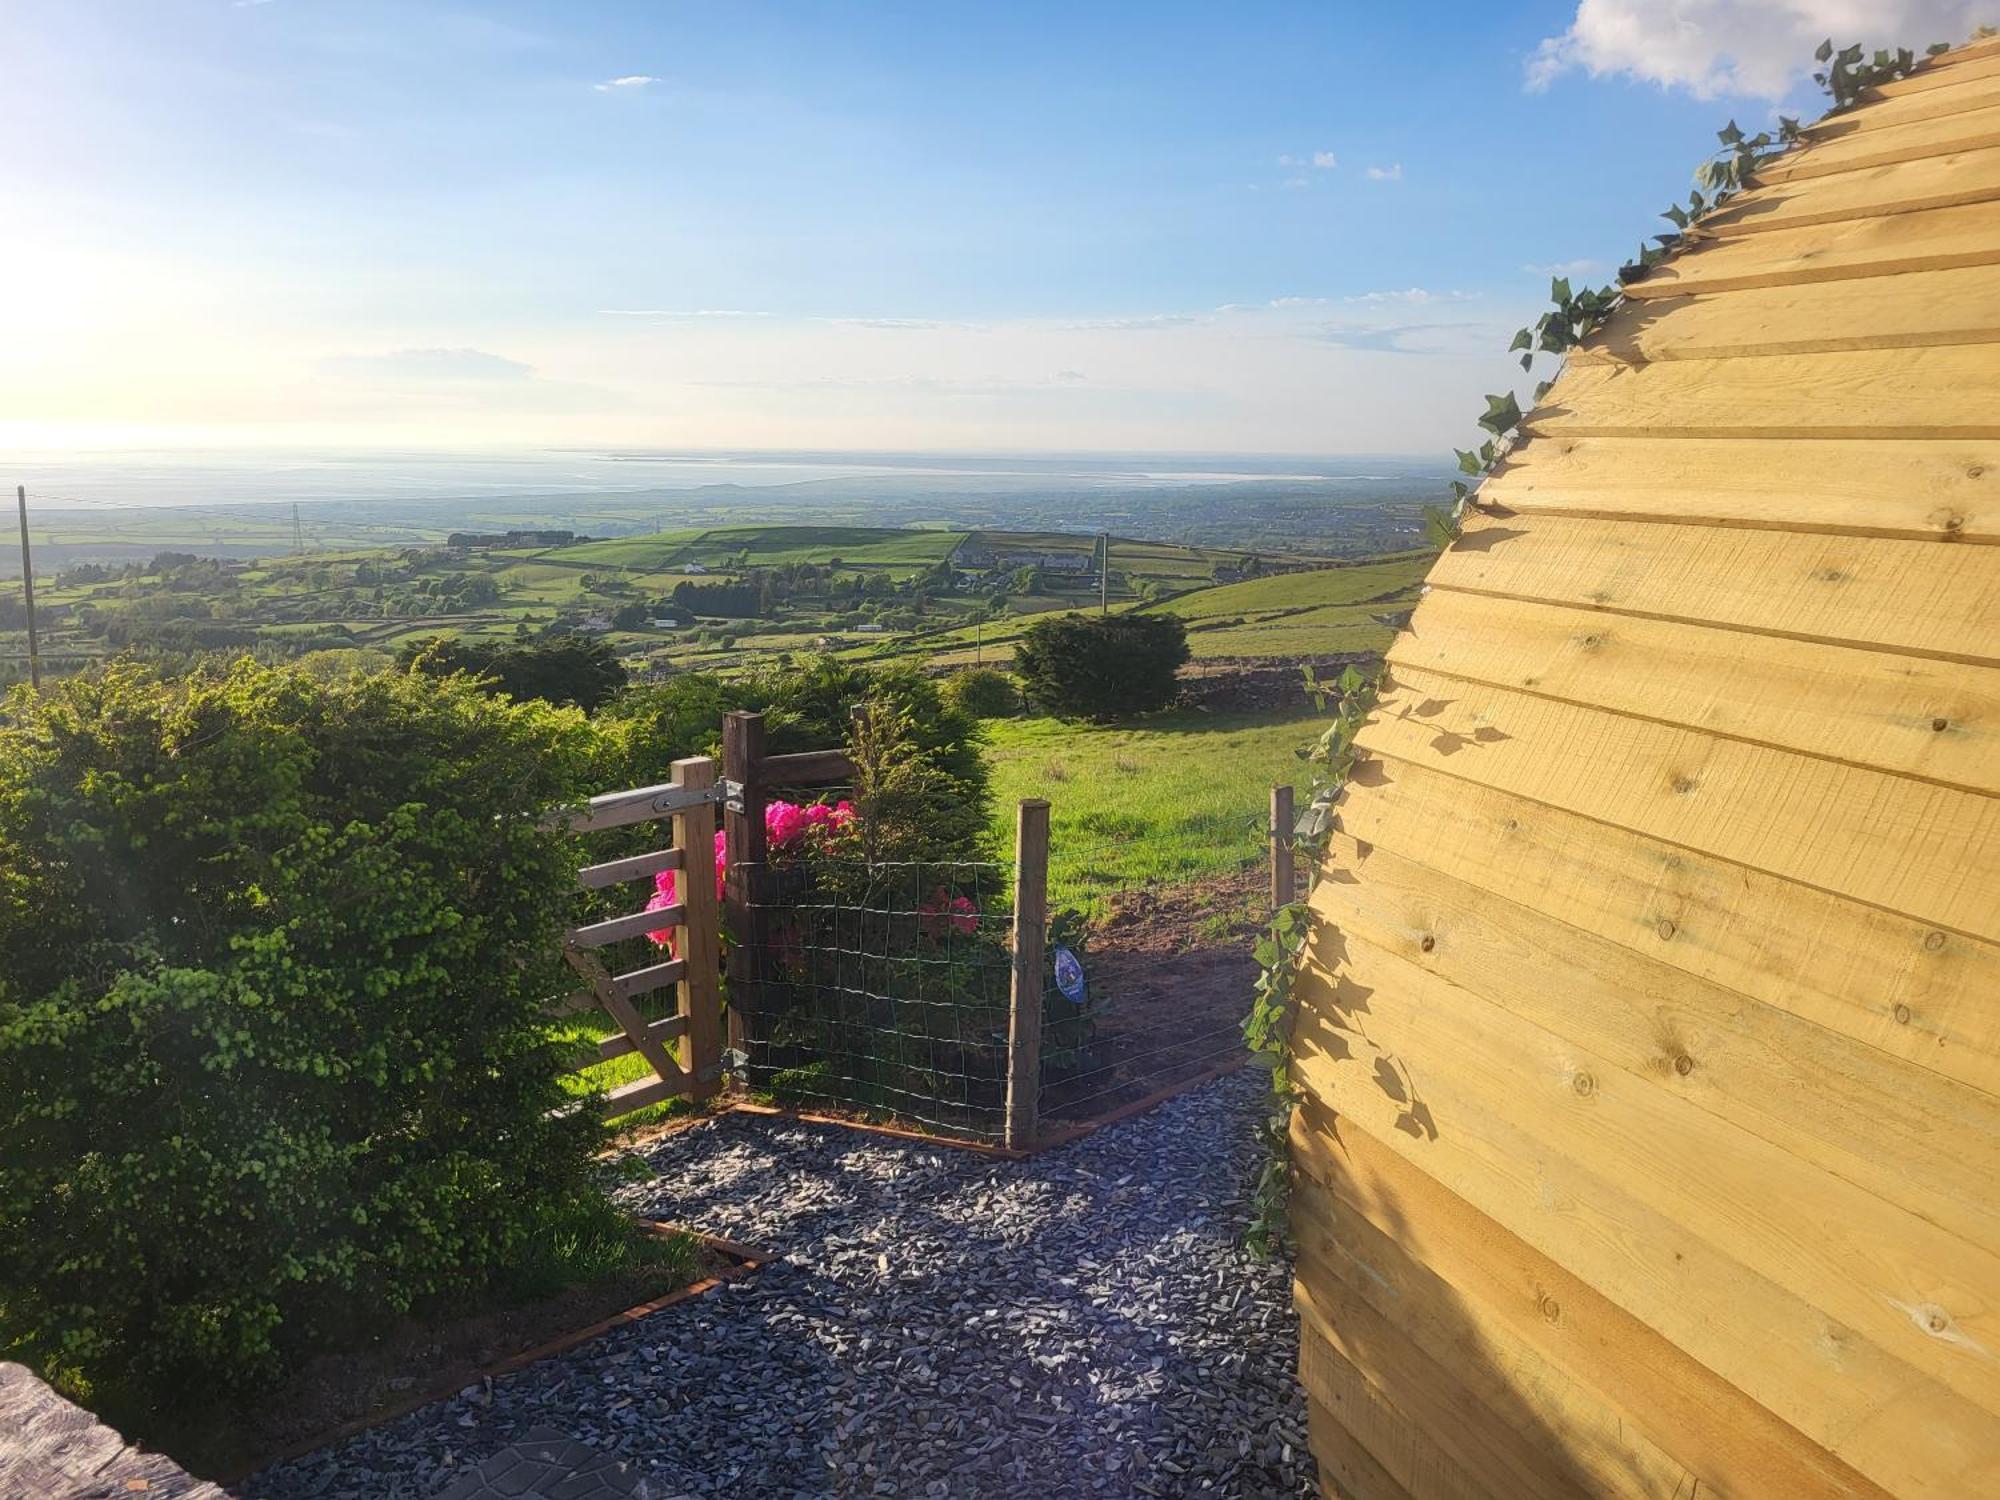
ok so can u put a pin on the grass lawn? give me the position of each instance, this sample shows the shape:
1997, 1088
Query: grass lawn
1181, 796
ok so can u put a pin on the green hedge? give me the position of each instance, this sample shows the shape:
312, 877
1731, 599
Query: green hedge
273, 1065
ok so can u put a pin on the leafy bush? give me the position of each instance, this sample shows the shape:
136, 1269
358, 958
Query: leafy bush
983, 693
565, 669
273, 1062
1101, 666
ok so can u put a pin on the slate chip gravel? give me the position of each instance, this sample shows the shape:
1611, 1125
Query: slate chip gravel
942, 1324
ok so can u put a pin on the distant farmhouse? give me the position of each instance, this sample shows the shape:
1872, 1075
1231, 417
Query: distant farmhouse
475, 541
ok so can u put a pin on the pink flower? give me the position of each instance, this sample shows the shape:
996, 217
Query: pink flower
785, 823
964, 915
946, 911
666, 893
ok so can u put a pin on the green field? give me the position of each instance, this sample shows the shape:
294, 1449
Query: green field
1183, 796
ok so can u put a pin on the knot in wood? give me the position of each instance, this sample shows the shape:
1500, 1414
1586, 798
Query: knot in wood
1665, 928
1934, 942
1902, 1014
1684, 1065
1584, 1085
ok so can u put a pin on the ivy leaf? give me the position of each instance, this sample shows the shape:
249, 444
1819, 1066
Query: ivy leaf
1823, 51
1460, 489
1527, 361
1559, 289
1729, 135
1676, 216
1937, 47
1788, 128
1503, 414
1440, 530
1468, 463
1542, 390
1523, 339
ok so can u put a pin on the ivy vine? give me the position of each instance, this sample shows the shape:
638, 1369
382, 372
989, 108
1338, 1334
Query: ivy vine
1845, 76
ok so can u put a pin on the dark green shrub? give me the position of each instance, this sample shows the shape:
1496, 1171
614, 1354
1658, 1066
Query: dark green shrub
1101, 666
564, 669
982, 693
273, 1063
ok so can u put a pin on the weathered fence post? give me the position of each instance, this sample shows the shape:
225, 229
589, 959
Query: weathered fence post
743, 887
1024, 1006
1284, 888
701, 931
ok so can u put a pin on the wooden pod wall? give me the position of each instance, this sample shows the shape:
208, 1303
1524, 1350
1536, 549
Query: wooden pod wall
1650, 1023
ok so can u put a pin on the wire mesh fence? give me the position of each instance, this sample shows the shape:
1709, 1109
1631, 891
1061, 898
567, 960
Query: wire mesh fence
880, 987
883, 988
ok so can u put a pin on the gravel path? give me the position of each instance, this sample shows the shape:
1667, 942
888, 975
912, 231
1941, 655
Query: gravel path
943, 1324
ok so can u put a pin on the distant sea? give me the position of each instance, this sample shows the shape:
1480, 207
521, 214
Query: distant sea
174, 477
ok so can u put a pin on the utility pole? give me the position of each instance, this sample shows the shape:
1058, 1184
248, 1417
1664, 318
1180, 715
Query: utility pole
28, 591
298, 531
1104, 572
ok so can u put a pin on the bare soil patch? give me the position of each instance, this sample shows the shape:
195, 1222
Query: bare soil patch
1173, 967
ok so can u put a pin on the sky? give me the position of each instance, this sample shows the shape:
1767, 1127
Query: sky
1093, 226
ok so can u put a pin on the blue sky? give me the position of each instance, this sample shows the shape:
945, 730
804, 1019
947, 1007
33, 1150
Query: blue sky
1163, 227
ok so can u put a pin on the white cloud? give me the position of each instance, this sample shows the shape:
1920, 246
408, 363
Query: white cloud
1323, 161
1568, 268
1747, 47
1414, 295
629, 81
677, 312
1326, 161
1391, 173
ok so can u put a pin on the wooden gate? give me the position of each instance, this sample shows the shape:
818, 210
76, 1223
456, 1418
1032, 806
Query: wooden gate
695, 1070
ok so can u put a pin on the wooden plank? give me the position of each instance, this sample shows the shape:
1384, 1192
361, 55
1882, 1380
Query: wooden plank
1928, 851
1406, 1449
664, 1030
1346, 1469
652, 977
1357, 1199
1883, 114
640, 805
626, 1014
639, 1093
1912, 1138
1978, 47
700, 987
1920, 598
637, 867
1899, 312
1905, 187
806, 768
1891, 245
1508, 1448
1950, 392
1923, 490
634, 924
1888, 144
1704, 1233
1977, 65
1889, 981
1916, 717
1925, 1296
1402, 1327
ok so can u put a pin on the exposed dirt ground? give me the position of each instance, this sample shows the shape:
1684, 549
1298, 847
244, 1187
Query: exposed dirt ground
1173, 969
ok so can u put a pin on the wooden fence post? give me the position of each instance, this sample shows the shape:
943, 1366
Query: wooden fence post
1024, 1006
701, 932
743, 887
1284, 887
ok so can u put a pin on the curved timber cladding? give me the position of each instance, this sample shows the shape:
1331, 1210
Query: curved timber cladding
1650, 1022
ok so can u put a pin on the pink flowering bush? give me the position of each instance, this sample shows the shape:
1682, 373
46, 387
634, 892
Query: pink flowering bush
792, 831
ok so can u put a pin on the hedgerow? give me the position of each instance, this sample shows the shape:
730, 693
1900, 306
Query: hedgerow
273, 1060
